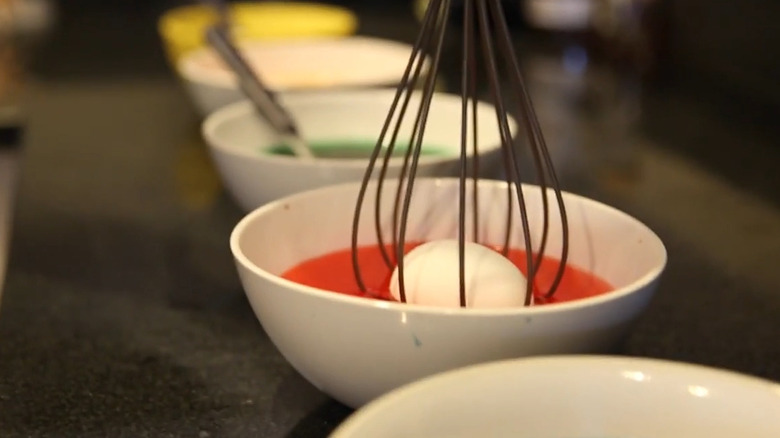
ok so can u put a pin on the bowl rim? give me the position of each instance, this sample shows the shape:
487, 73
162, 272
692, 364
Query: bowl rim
374, 409
370, 303
241, 108
169, 19
188, 68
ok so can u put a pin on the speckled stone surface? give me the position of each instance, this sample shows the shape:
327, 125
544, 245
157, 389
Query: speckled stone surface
123, 315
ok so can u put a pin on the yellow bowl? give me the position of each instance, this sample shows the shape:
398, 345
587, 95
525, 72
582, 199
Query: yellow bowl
182, 28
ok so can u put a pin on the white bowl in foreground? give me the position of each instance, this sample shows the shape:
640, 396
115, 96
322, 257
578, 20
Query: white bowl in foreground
296, 64
356, 349
575, 396
239, 141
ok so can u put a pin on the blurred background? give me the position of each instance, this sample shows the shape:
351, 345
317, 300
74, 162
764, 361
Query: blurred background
716, 54
720, 46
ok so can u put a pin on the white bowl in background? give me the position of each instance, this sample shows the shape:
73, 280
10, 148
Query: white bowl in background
296, 64
237, 137
356, 349
575, 396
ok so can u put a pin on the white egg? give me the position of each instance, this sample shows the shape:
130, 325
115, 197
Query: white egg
431, 277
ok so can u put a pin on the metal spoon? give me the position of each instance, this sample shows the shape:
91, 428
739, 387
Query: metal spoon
263, 99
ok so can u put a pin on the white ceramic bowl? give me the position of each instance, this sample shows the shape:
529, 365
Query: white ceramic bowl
575, 396
296, 64
356, 349
237, 137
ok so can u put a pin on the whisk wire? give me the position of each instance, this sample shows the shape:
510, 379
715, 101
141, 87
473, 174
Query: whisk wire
482, 18
404, 84
466, 89
541, 155
407, 93
506, 142
422, 115
472, 94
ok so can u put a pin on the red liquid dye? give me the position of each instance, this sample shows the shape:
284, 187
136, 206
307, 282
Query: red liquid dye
333, 272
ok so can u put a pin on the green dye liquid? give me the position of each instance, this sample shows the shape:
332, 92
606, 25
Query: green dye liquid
350, 149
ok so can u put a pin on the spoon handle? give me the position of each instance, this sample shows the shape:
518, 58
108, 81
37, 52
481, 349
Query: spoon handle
248, 80
262, 98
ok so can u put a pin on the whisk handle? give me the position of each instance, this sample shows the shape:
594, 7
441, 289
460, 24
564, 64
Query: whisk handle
263, 99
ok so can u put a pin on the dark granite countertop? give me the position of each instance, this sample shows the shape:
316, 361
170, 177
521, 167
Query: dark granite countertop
123, 315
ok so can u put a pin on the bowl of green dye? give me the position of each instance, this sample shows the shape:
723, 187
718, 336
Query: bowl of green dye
341, 127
